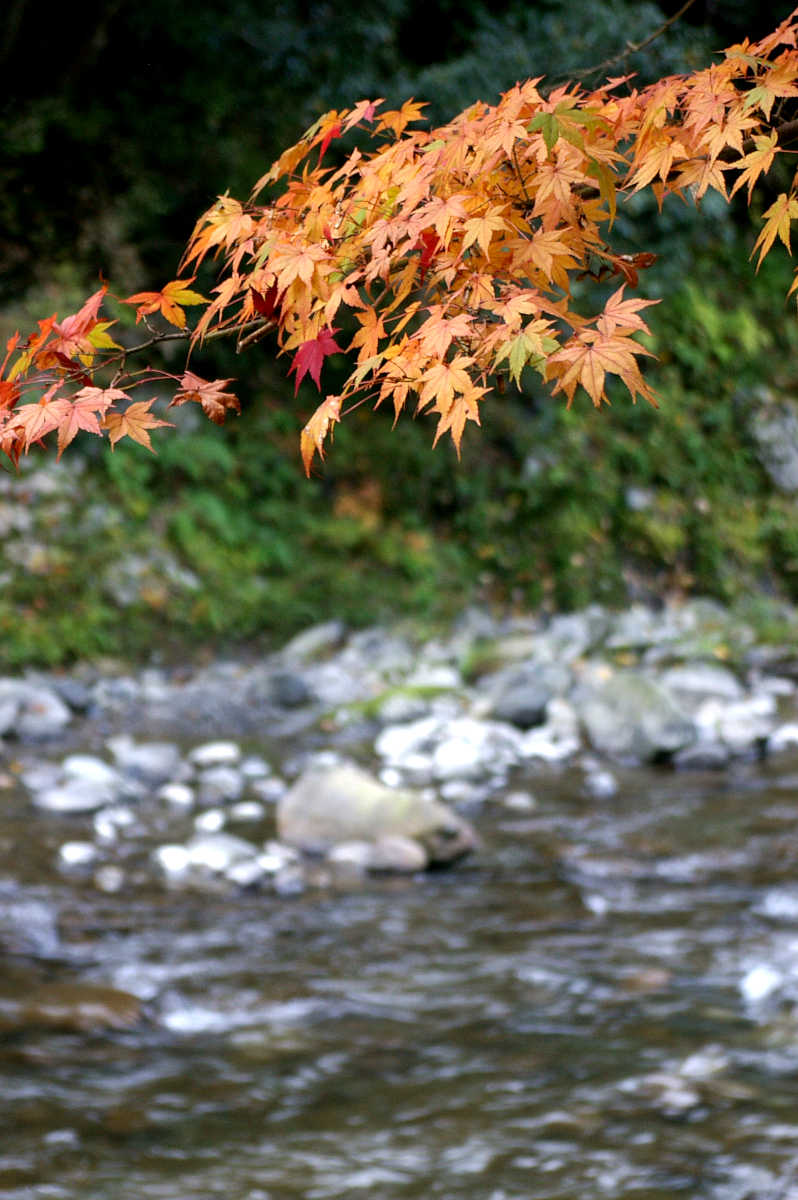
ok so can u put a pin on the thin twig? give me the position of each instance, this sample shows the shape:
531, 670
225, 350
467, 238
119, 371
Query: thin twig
633, 47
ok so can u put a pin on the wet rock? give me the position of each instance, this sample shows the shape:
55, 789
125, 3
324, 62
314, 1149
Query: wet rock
344, 803
692, 683
76, 855
557, 738
74, 796
28, 925
395, 854
219, 851
630, 717
743, 725
215, 754
30, 711
71, 1007
177, 795
463, 748
521, 694
152, 763
89, 768
220, 784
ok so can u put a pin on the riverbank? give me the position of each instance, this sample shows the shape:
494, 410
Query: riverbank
215, 776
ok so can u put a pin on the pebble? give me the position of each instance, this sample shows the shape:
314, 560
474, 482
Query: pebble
74, 796
77, 854
215, 754
177, 795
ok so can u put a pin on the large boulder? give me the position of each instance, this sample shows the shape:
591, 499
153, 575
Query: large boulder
631, 717
330, 805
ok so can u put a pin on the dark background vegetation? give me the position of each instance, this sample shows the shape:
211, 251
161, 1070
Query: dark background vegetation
120, 125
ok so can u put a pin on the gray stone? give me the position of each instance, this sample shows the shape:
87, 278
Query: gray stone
220, 784
153, 763
30, 711
74, 796
694, 682
631, 717
28, 926
326, 806
89, 768
215, 754
315, 642
775, 431
218, 852
520, 695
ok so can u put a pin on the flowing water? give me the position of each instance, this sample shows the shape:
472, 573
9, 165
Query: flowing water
601, 1003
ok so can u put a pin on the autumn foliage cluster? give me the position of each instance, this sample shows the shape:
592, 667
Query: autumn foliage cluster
441, 263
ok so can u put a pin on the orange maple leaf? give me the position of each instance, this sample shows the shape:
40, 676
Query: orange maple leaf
85, 407
169, 302
315, 431
134, 423
214, 399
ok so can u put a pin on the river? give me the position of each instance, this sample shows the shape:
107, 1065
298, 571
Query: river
600, 1002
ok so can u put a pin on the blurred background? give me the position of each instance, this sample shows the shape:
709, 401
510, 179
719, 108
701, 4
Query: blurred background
120, 126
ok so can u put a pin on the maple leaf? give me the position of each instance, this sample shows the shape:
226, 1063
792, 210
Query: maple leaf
587, 360
429, 242
311, 354
315, 431
134, 423
169, 302
83, 411
777, 223
214, 399
758, 162
33, 421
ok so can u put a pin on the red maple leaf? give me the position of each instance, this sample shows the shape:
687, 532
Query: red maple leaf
310, 356
429, 243
265, 303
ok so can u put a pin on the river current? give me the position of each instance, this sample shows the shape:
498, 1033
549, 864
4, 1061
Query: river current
601, 1002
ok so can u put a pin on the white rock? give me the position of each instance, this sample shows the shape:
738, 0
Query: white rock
74, 796
173, 859
215, 754
86, 766
784, 737
269, 790
77, 854
177, 795
246, 873
219, 784
356, 854
218, 852
109, 879
247, 810
254, 767
210, 821
108, 821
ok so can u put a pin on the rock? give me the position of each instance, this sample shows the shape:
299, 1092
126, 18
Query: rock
72, 1007
218, 852
177, 795
220, 784
693, 683
152, 763
397, 855
462, 748
558, 738
775, 433
74, 796
521, 694
743, 725
215, 754
326, 806
88, 767
30, 711
28, 926
74, 855
630, 717
315, 642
